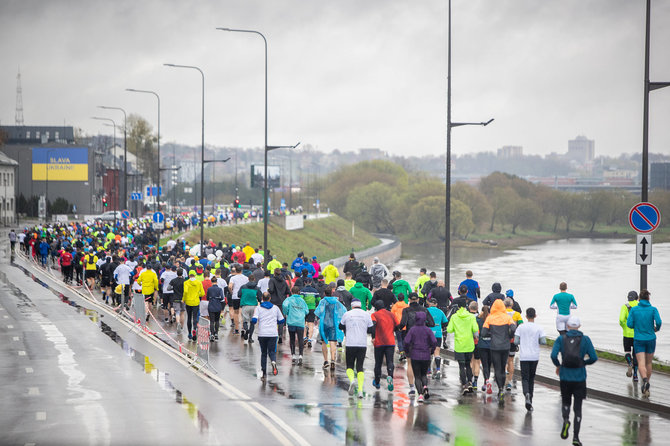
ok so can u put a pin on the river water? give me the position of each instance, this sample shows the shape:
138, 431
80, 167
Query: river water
599, 272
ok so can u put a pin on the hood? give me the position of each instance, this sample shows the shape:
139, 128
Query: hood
267, 305
331, 299
463, 313
496, 287
341, 288
644, 303
498, 307
498, 315
420, 318
358, 285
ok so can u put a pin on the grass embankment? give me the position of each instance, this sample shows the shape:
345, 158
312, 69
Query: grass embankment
616, 357
326, 238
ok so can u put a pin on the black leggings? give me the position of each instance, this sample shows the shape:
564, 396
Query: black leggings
355, 355
384, 351
296, 334
268, 348
485, 356
464, 369
499, 360
420, 368
528, 369
570, 389
214, 320
193, 313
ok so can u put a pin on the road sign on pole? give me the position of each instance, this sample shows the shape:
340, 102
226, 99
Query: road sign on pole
158, 220
125, 214
644, 218
643, 250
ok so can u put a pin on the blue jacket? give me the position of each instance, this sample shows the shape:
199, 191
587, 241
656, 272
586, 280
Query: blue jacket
645, 320
295, 309
586, 349
297, 265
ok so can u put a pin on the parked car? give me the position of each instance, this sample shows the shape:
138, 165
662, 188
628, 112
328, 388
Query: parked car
109, 216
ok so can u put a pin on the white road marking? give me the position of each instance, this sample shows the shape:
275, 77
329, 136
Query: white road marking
21, 353
518, 434
33, 390
40, 416
29, 370
16, 338
10, 326
6, 317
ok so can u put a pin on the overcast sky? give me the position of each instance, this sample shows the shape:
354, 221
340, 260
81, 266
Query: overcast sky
345, 74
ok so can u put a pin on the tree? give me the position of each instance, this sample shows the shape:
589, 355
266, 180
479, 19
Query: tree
427, 217
522, 212
461, 219
500, 200
570, 206
141, 144
597, 205
371, 206
475, 200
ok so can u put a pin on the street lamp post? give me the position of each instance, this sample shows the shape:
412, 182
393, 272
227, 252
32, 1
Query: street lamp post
125, 153
114, 156
202, 149
202, 202
267, 148
158, 143
46, 189
447, 223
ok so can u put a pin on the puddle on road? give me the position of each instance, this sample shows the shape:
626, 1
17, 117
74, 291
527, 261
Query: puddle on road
26, 305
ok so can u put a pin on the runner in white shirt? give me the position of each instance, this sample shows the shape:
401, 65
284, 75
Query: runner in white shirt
122, 275
236, 280
356, 325
528, 336
267, 316
168, 292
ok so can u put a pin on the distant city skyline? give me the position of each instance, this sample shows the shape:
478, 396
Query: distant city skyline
346, 75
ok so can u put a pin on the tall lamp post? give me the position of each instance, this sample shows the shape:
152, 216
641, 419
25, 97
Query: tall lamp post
648, 86
114, 156
202, 202
202, 149
267, 148
125, 153
447, 223
158, 143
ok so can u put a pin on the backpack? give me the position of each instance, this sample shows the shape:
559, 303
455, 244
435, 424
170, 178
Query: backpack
571, 352
90, 259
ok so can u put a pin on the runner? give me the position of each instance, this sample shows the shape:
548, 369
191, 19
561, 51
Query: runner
360, 292
177, 287
564, 302
356, 324
330, 312
168, 294
384, 343
407, 322
330, 273
385, 295
420, 343
418, 285
529, 336
148, 280
464, 326
90, 265
499, 327
400, 286
268, 317
516, 317
343, 295
473, 287
484, 349
311, 297
193, 291
249, 297
216, 301
378, 271
474, 362
296, 310
235, 282
441, 323
573, 346
628, 335
646, 321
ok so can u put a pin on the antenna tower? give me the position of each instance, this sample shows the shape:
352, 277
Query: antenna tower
19, 101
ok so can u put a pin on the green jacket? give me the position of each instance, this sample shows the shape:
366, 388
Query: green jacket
464, 326
623, 317
363, 294
418, 285
402, 286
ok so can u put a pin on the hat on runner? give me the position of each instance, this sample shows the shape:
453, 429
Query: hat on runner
573, 322
376, 260
314, 258
509, 293
198, 266
191, 273
632, 295
355, 303
211, 257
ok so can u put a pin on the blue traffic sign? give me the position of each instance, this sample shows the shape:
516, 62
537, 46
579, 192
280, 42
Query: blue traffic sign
158, 217
136, 196
644, 217
125, 214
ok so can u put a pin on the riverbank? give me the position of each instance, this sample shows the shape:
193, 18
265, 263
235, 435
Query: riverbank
326, 238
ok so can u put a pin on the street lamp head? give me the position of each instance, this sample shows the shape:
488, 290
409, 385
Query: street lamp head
488, 122
169, 65
224, 29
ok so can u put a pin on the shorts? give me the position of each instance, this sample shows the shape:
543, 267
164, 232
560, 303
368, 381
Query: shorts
149, 298
644, 346
561, 319
179, 306
90, 274
627, 344
513, 348
247, 313
167, 299
573, 388
463, 356
234, 304
311, 317
475, 353
105, 282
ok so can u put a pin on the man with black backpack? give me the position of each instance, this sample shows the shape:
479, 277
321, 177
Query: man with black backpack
573, 346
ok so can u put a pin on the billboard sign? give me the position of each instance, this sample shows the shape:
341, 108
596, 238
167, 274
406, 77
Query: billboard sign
60, 164
257, 176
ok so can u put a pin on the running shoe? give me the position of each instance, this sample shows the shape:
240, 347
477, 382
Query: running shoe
332, 365
309, 343
352, 388
325, 364
501, 398
576, 442
166, 320
629, 372
420, 399
193, 335
245, 336
237, 332
279, 341
216, 337
412, 392
645, 389
529, 404
426, 393
402, 357
466, 390
361, 395
470, 388
294, 359
179, 328
489, 388
274, 368
508, 387
474, 385
375, 384
437, 374
300, 360
389, 381
635, 378
565, 429
211, 338
251, 341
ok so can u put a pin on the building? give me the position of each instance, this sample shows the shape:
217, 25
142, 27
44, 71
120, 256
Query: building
7, 190
506, 152
659, 176
581, 150
50, 165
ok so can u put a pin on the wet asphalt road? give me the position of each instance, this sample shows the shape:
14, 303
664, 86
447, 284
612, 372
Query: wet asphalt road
83, 378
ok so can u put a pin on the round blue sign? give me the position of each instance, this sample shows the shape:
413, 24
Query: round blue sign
644, 217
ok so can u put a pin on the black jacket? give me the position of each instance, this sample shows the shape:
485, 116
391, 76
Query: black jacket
278, 289
409, 316
386, 296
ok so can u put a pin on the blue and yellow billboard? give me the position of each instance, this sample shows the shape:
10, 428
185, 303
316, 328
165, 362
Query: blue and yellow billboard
60, 164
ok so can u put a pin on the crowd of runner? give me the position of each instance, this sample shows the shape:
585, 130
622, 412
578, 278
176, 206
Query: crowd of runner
337, 309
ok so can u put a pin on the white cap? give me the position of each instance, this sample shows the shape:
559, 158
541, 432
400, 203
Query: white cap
211, 257
574, 322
